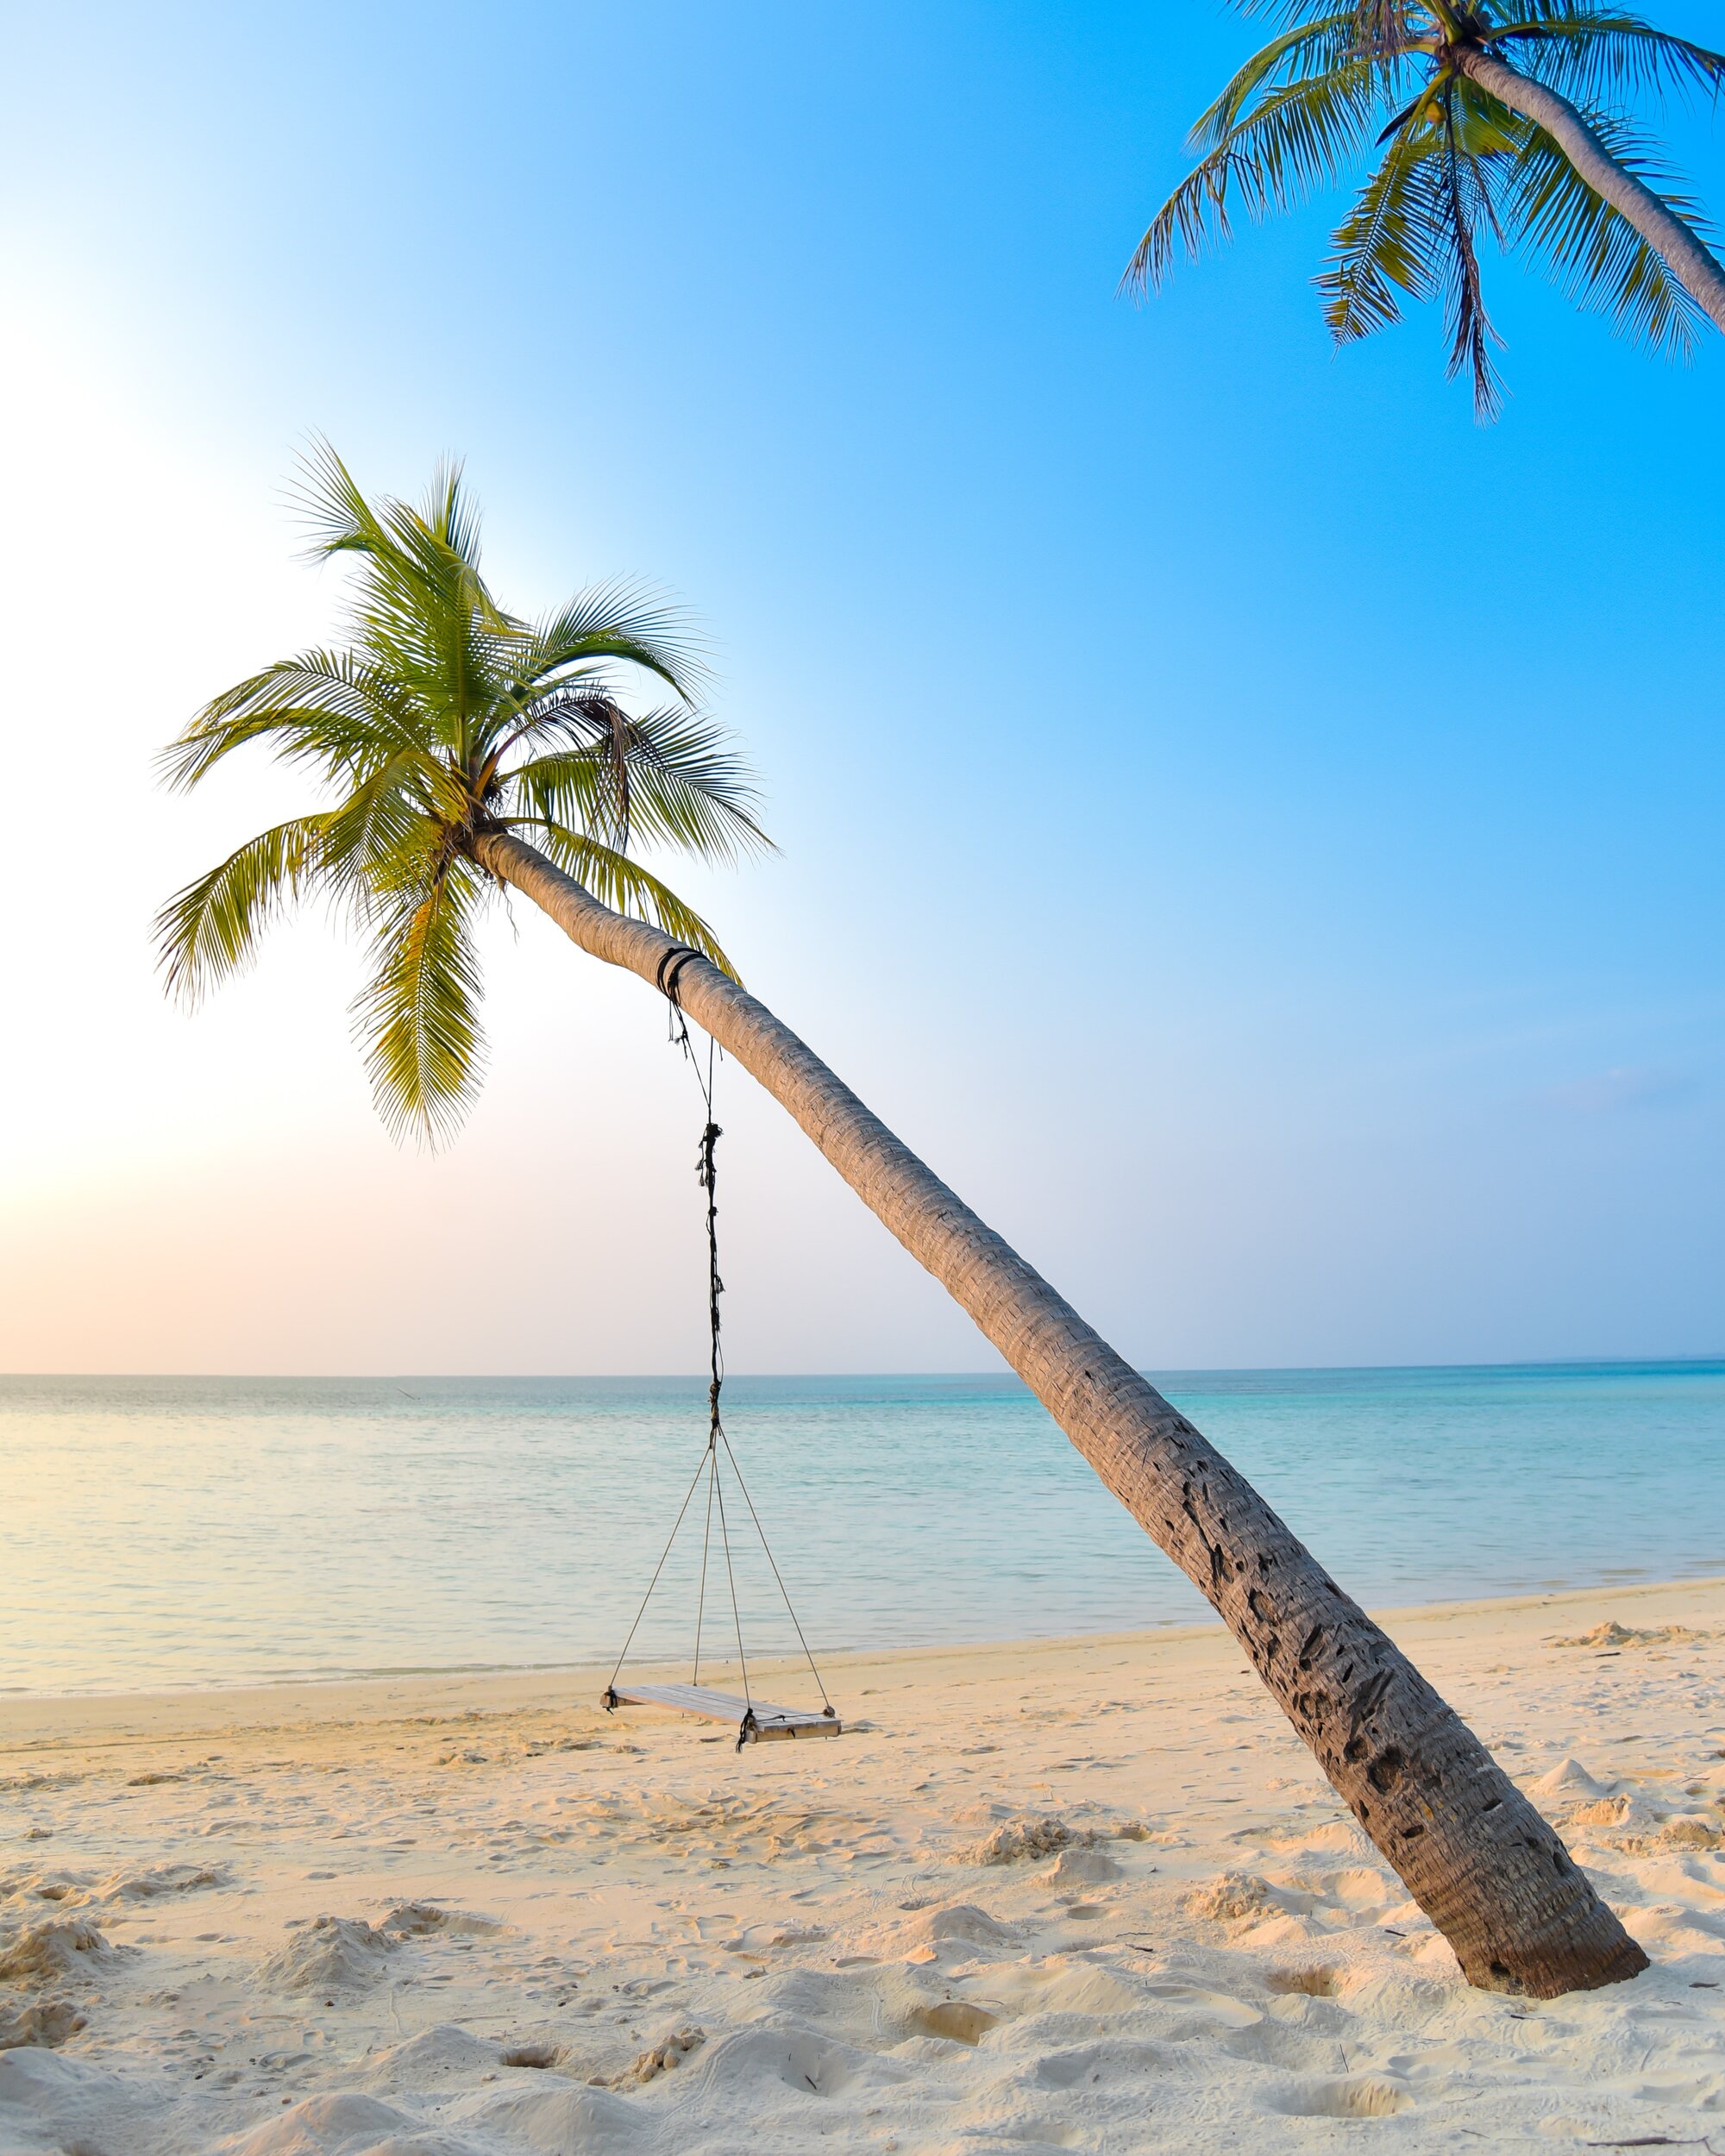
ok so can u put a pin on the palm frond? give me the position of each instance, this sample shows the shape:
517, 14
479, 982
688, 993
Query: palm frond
450, 517
1383, 246
622, 621
1297, 139
418, 607
387, 835
210, 929
329, 502
1595, 253
625, 886
416, 1018
328, 708
689, 787
1387, 29
1304, 48
1464, 203
1594, 53
670, 778
430, 560
595, 788
1384, 28
1458, 167
1414, 230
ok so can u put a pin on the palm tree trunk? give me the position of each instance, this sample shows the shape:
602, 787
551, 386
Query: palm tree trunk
1481, 1862
1689, 260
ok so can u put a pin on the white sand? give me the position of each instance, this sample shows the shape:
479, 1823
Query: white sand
443, 1918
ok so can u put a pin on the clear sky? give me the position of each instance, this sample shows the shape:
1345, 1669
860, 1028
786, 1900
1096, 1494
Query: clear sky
1255, 832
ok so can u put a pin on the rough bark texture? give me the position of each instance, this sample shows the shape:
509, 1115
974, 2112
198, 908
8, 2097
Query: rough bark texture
1700, 273
1482, 1863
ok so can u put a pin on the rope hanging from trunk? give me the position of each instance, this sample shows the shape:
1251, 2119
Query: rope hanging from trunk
709, 1469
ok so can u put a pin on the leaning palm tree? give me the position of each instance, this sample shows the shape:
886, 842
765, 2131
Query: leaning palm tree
1494, 119
461, 749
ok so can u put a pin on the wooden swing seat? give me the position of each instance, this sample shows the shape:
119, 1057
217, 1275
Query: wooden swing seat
753, 1725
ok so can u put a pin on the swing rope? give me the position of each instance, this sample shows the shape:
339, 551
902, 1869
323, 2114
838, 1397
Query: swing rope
706, 1173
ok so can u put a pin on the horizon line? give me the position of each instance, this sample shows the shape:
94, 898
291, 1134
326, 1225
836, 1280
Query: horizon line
700, 1376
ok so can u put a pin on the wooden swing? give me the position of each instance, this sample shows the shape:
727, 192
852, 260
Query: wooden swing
755, 1721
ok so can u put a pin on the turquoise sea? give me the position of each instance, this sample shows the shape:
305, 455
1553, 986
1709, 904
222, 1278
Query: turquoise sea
163, 1531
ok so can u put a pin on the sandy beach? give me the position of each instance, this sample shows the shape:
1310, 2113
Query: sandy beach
1083, 1895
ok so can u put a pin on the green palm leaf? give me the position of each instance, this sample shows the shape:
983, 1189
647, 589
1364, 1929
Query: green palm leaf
627, 887
1317, 47
388, 833
670, 777
1593, 52
1597, 256
1461, 204
330, 709
1299, 137
417, 1016
210, 928
622, 621
419, 608
1383, 247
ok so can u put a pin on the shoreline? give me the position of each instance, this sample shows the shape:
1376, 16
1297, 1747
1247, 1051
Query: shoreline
35, 1717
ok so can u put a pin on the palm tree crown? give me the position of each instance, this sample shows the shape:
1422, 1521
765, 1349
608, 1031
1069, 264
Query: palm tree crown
1425, 82
443, 718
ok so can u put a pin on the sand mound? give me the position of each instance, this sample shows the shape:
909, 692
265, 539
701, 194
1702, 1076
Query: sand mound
1615, 1637
922, 1933
44, 2022
552, 2117
43, 1953
340, 2125
1605, 1811
1567, 1783
68, 1888
1023, 1839
958, 1920
435, 2058
1084, 1867
334, 1953
1689, 1830
761, 2065
65, 2107
658, 2058
1232, 1897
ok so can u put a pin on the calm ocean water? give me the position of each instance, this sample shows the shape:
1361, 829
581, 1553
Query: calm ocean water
193, 1530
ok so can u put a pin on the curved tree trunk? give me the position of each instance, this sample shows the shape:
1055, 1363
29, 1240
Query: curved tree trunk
1477, 1858
1689, 260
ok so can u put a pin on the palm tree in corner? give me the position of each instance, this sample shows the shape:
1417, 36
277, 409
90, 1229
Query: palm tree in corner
460, 750
1496, 120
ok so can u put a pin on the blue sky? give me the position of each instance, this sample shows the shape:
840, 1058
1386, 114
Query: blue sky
1255, 831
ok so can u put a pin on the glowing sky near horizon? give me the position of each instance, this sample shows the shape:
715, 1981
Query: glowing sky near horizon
1256, 833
